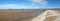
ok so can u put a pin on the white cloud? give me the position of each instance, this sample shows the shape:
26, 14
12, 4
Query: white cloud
42, 2
14, 6
7, 5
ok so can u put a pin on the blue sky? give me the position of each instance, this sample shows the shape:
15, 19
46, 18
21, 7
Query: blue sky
29, 4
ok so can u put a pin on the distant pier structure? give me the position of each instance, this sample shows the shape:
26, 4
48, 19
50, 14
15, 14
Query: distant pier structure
9, 8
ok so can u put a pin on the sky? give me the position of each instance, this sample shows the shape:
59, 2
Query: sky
29, 4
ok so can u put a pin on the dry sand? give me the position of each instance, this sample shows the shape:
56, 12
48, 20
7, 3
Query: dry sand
49, 15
